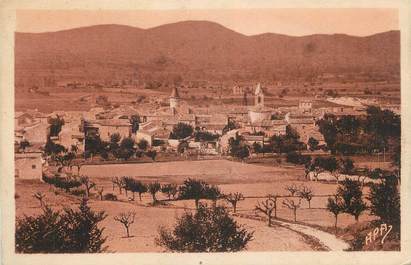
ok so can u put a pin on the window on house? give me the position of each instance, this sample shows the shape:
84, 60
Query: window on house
33, 166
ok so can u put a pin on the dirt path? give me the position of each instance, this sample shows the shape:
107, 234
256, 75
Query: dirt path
273, 238
319, 240
327, 239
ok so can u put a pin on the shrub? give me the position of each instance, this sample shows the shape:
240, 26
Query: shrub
110, 197
61, 232
207, 230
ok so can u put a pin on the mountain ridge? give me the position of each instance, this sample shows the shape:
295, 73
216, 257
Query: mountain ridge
198, 50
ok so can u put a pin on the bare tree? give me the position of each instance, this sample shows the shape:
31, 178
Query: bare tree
87, 184
100, 192
234, 198
119, 183
291, 204
293, 189
114, 181
78, 168
127, 219
267, 207
306, 193
40, 196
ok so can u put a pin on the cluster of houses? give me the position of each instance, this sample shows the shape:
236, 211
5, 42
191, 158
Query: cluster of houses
255, 123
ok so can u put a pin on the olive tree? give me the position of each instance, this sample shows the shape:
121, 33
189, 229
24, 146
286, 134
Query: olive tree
153, 188
267, 207
127, 219
205, 230
292, 205
234, 198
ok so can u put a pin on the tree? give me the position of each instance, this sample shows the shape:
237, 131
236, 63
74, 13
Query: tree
286, 143
213, 193
231, 125
93, 144
127, 219
267, 207
257, 147
234, 198
40, 196
181, 131
153, 188
193, 189
100, 192
23, 145
385, 201
206, 230
69, 231
306, 193
114, 144
128, 184
53, 149
335, 206
327, 127
200, 136
291, 204
119, 182
84, 233
237, 147
56, 123
135, 123
126, 149
351, 194
321, 164
64, 183
293, 189
313, 143
169, 190
143, 144
297, 158
87, 184
346, 166
140, 188
78, 165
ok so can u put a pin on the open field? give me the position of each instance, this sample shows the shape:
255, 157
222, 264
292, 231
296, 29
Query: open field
251, 180
212, 171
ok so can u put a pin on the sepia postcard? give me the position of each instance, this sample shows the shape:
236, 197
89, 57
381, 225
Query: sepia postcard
205, 132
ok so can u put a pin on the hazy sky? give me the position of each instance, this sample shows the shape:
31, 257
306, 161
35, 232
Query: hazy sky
296, 22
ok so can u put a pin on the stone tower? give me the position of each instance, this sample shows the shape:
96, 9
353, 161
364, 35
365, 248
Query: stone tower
174, 99
259, 96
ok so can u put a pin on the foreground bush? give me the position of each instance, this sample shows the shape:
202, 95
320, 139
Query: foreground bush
61, 232
385, 201
206, 230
